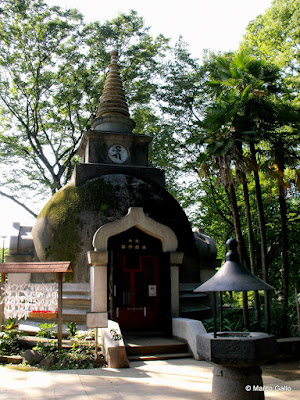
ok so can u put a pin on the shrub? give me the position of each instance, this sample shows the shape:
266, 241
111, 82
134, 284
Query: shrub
9, 344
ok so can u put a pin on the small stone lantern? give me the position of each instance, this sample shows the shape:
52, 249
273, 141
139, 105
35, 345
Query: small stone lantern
237, 375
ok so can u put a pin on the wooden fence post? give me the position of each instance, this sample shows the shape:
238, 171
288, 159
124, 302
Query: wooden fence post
1, 297
59, 311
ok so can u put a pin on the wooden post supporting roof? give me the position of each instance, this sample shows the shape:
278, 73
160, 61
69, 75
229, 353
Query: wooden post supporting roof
59, 311
2, 304
59, 267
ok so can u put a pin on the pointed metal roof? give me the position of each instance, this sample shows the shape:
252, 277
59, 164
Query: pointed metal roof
113, 113
233, 276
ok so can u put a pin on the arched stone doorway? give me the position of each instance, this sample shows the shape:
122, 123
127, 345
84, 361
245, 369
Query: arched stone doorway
135, 272
139, 281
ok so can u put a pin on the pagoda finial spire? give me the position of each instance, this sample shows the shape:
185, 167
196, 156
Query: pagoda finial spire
113, 114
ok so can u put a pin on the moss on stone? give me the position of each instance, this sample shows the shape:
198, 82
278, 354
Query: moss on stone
61, 219
65, 227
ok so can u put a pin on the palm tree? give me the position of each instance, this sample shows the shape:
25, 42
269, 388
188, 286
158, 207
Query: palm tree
243, 90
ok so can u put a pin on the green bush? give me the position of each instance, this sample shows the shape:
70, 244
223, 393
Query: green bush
277, 310
233, 318
80, 355
47, 331
71, 328
232, 321
9, 344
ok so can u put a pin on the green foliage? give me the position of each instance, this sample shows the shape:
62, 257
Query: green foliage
115, 335
9, 344
76, 358
9, 338
275, 35
232, 321
233, 317
52, 71
85, 335
62, 213
80, 355
47, 330
10, 323
277, 312
71, 328
47, 347
40, 45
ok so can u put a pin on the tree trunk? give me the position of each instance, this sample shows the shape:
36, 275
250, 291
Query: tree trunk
263, 240
279, 159
251, 249
253, 266
240, 239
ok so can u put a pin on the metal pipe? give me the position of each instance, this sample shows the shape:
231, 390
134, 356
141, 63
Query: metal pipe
221, 311
215, 313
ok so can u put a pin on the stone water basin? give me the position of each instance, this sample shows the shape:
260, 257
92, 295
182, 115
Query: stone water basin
237, 348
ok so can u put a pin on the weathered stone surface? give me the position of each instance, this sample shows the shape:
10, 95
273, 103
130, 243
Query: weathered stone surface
65, 228
94, 149
11, 359
97, 257
47, 362
84, 172
237, 348
113, 346
33, 357
188, 329
234, 383
117, 357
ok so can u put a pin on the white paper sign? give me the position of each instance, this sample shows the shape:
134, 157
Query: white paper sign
20, 299
152, 290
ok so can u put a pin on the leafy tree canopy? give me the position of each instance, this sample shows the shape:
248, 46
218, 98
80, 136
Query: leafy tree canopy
52, 71
275, 36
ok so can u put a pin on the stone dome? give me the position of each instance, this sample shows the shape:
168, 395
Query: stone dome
66, 225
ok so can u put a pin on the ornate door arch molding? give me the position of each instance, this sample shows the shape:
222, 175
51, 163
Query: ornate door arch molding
136, 217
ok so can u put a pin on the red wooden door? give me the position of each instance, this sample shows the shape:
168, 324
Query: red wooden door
136, 291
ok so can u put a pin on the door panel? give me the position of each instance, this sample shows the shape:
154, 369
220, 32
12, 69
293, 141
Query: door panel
136, 291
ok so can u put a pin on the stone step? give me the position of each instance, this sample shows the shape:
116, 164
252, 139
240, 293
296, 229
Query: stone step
74, 315
77, 301
194, 308
76, 288
193, 305
31, 327
149, 346
11, 359
76, 294
156, 349
188, 295
156, 357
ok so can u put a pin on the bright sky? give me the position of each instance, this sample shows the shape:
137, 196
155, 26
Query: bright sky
217, 25
204, 24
